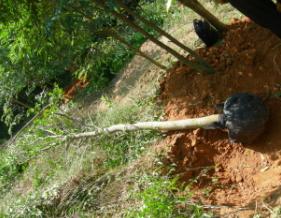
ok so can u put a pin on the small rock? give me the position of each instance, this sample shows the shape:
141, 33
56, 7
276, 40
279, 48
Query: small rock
239, 178
264, 169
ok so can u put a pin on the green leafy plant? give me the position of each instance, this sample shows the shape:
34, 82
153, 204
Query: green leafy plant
161, 198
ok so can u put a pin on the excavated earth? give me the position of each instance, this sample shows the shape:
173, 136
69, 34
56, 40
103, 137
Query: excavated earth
221, 173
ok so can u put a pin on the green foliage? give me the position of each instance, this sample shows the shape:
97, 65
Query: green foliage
42, 41
10, 169
127, 146
45, 159
36, 50
15, 159
162, 199
159, 199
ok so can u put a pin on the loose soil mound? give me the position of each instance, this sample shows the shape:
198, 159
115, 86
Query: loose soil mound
248, 60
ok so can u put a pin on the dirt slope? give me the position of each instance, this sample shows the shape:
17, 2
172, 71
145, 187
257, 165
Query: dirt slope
248, 60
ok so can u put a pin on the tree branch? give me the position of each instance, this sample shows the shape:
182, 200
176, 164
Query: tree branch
202, 122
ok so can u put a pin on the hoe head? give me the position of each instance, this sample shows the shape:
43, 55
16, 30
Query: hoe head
245, 116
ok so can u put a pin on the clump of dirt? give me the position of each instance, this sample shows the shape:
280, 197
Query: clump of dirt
248, 60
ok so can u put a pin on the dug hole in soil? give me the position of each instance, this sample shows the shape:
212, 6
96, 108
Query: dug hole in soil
248, 60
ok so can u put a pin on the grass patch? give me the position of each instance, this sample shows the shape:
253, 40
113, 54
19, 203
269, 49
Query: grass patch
164, 197
40, 183
127, 146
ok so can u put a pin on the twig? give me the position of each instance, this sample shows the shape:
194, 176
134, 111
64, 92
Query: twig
76, 120
68, 117
216, 207
199, 168
267, 207
256, 207
45, 149
47, 131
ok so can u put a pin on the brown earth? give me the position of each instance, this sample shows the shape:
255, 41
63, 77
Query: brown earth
248, 60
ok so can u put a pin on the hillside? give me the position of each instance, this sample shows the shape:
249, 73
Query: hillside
193, 173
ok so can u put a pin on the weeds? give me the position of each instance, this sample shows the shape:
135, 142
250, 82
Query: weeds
164, 198
46, 173
124, 147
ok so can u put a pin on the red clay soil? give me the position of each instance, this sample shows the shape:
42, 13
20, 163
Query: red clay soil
248, 60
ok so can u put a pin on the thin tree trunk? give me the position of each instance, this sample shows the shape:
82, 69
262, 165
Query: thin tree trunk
122, 40
162, 32
196, 6
194, 123
181, 58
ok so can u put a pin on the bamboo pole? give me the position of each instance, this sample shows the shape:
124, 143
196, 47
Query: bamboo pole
162, 32
140, 53
191, 64
196, 6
